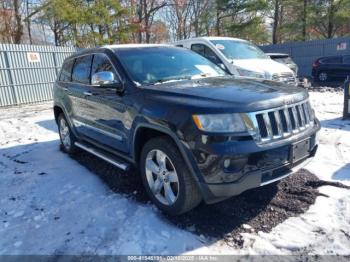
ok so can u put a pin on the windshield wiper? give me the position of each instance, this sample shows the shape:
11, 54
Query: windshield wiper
165, 80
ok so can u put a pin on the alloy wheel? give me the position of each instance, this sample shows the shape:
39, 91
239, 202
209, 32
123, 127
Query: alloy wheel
162, 177
322, 76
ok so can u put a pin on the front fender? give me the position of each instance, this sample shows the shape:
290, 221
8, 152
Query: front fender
182, 146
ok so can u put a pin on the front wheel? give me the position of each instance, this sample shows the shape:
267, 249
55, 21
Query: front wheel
166, 177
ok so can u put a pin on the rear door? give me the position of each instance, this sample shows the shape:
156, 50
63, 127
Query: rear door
64, 83
105, 111
78, 90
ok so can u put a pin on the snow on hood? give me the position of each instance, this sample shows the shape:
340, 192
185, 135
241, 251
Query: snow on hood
261, 65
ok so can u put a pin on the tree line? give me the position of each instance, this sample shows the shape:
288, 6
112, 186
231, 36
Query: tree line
85, 23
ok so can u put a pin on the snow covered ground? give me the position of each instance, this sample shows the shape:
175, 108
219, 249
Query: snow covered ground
50, 204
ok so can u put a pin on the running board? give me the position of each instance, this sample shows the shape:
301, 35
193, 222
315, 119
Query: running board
105, 156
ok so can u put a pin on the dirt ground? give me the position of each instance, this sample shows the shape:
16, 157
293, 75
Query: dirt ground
259, 209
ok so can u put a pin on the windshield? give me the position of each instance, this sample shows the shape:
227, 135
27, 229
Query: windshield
284, 60
152, 65
239, 49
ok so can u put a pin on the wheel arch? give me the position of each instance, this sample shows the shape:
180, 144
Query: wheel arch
57, 110
144, 130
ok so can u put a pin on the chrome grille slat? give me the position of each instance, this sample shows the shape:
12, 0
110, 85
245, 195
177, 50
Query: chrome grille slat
268, 125
307, 107
289, 124
301, 113
306, 114
282, 122
296, 121
279, 124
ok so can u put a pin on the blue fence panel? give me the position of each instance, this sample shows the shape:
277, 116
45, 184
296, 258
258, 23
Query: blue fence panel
305, 53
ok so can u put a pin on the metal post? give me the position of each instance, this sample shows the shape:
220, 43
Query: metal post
10, 77
55, 62
346, 112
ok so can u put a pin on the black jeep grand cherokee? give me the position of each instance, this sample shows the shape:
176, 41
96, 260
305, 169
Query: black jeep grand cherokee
194, 132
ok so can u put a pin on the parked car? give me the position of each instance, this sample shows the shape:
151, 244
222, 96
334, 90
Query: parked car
194, 132
331, 68
284, 59
239, 57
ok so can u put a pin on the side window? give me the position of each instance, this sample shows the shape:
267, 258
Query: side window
332, 60
198, 48
205, 51
81, 70
179, 45
210, 55
102, 63
66, 71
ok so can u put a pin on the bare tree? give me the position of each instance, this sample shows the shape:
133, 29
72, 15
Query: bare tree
28, 22
146, 10
18, 20
179, 15
329, 17
199, 8
276, 20
304, 19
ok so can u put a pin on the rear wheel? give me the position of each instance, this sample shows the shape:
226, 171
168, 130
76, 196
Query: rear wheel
166, 177
66, 136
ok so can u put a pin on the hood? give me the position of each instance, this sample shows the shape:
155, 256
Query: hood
262, 66
227, 93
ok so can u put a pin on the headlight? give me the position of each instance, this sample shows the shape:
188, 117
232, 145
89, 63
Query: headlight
220, 123
248, 73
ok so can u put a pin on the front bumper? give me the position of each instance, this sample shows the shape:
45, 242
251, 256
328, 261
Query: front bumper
254, 179
225, 169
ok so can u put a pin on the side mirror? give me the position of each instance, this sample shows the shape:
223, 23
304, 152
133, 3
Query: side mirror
106, 79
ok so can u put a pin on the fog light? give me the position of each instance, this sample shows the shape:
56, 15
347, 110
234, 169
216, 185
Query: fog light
234, 164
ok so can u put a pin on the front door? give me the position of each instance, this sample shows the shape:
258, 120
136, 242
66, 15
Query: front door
106, 111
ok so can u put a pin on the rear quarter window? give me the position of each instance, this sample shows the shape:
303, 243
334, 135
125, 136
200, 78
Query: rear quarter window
66, 71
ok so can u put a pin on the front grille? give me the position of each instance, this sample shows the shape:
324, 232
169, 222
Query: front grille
286, 77
281, 122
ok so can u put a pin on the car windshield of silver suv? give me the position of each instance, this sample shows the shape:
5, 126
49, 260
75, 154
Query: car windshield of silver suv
193, 132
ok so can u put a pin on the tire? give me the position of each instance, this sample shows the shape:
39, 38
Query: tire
67, 137
172, 173
322, 77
